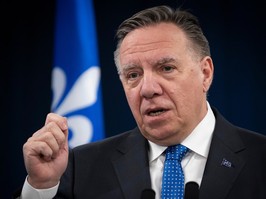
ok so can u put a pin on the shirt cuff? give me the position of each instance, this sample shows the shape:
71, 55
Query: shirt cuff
29, 192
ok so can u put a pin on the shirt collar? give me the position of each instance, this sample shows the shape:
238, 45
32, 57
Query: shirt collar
198, 140
155, 151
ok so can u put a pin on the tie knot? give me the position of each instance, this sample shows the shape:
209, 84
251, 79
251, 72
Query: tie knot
176, 152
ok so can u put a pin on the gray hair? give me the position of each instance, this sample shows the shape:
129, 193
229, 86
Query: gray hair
155, 15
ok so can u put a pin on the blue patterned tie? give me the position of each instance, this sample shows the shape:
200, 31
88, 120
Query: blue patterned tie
173, 177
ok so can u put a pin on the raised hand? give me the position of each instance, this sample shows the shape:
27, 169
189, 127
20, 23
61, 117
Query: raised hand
46, 152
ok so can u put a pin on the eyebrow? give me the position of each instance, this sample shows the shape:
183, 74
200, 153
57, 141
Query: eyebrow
130, 66
159, 62
164, 60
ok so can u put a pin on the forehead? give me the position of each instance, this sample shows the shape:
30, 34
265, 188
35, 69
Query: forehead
153, 38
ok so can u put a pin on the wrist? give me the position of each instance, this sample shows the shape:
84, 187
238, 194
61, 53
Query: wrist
42, 184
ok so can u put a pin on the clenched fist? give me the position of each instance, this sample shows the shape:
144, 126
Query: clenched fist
46, 152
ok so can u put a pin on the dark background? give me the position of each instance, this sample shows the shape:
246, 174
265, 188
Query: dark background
235, 30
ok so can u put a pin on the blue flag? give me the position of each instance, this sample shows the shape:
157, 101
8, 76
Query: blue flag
76, 73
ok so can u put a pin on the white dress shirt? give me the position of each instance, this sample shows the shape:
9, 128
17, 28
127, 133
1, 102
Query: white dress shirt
29, 192
193, 163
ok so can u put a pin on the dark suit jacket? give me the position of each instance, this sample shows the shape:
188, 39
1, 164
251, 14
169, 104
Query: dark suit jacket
118, 168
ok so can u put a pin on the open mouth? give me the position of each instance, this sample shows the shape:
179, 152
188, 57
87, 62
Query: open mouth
156, 112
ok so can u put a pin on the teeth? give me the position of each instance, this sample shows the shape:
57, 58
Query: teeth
155, 113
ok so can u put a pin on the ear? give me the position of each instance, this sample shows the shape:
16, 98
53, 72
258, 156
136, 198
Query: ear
207, 69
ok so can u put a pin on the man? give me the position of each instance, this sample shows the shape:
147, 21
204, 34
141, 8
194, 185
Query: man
163, 60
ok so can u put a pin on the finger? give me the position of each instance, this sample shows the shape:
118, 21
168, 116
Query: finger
52, 142
59, 120
38, 149
56, 131
51, 133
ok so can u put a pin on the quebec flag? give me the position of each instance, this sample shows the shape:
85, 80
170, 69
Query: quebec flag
76, 73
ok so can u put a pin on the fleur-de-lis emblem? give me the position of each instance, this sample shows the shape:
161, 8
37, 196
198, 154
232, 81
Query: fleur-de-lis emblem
82, 95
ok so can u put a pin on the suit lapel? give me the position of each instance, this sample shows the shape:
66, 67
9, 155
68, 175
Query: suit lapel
132, 166
224, 163
222, 168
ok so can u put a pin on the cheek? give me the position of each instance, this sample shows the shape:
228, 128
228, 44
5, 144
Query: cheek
132, 99
185, 92
193, 85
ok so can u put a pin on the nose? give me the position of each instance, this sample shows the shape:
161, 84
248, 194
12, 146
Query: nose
150, 86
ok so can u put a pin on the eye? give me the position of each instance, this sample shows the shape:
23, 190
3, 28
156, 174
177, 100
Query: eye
167, 68
131, 78
132, 75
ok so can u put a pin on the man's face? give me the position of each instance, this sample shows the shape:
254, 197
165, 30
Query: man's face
165, 82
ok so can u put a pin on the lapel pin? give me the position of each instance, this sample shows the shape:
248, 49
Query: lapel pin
226, 163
